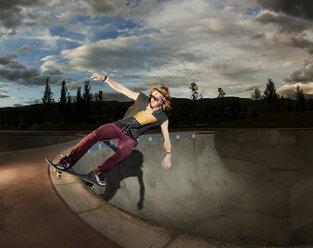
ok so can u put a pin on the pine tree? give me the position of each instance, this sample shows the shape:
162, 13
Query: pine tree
86, 99
79, 96
68, 106
78, 110
256, 94
300, 99
63, 94
270, 95
63, 100
100, 95
47, 99
87, 95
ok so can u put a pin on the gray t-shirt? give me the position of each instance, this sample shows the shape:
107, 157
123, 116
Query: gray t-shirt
138, 119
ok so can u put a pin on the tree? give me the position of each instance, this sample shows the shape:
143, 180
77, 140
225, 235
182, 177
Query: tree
270, 95
87, 95
256, 94
300, 99
100, 95
194, 91
221, 92
63, 93
47, 97
86, 98
98, 99
78, 109
69, 106
63, 100
78, 96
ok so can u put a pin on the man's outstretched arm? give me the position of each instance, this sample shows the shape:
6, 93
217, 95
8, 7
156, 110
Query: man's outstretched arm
166, 163
116, 86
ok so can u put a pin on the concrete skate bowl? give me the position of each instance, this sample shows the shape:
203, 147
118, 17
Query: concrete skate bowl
241, 187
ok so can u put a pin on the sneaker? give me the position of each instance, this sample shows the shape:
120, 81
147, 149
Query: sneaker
64, 163
99, 176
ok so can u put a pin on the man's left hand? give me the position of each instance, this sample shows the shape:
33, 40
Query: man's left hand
166, 163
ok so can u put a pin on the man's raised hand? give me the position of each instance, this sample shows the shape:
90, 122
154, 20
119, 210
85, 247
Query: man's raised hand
97, 76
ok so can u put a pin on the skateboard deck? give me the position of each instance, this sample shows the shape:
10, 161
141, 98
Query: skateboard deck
85, 177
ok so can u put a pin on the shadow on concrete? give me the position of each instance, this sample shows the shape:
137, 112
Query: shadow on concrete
129, 167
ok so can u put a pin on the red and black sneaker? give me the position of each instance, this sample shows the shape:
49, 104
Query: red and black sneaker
99, 176
64, 163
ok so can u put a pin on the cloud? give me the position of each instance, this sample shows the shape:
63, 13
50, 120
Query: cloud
39, 13
299, 8
289, 90
176, 43
6, 59
25, 76
302, 75
238, 73
122, 53
47, 40
213, 43
247, 88
103, 6
24, 50
177, 13
285, 23
73, 84
294, 29
13, 14
4, 96
298, 42
14, 71
4, 92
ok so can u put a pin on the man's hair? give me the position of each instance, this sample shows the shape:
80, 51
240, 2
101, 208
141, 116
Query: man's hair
166, 93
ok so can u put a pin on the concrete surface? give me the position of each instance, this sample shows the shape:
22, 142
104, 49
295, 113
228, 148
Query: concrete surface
244, 187
230, 188
31, 213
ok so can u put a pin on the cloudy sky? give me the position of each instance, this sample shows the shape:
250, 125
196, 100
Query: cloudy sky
233, 44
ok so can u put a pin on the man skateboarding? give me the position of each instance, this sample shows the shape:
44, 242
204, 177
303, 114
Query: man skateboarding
145, 113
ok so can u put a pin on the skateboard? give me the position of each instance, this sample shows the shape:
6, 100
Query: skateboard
89, 178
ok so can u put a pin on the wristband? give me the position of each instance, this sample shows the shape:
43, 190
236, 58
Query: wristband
168, 152
106, 79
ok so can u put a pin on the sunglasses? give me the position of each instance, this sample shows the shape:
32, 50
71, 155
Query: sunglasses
156, 98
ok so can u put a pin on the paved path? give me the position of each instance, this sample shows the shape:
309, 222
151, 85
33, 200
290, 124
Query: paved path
31, 213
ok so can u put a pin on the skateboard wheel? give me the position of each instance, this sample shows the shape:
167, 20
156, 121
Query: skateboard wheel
55, 170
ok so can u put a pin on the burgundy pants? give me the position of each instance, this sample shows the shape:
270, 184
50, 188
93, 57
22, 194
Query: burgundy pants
125, 145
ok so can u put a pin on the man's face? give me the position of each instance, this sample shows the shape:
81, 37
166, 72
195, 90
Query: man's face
156, 99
